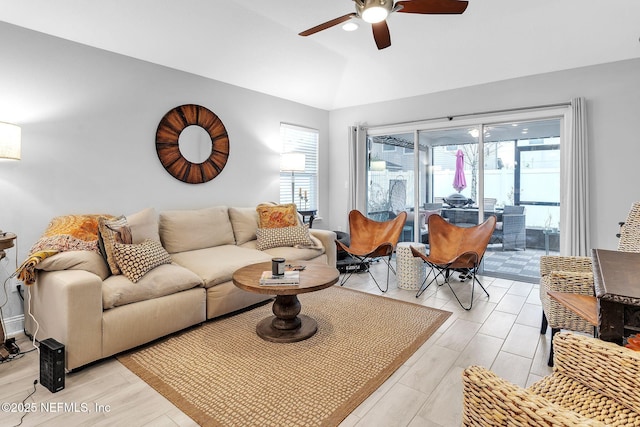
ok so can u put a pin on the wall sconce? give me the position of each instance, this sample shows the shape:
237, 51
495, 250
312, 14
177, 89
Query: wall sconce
10, 136
292, 162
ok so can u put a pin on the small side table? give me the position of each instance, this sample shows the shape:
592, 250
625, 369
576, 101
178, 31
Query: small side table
6, 242
310, 214
409, 270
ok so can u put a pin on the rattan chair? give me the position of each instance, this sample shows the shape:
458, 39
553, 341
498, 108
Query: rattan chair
594, 383
370, 240
564, 274
455, 248
630, 231
575, 275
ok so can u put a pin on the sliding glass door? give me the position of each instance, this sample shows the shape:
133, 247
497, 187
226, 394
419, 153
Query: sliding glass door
390, 178
523, 173
466, 173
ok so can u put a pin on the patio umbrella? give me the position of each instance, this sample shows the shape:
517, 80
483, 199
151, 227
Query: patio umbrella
459, 181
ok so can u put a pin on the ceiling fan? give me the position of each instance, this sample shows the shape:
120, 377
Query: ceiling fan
376, 11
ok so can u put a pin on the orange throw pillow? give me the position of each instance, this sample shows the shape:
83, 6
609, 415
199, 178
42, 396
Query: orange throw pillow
277, 216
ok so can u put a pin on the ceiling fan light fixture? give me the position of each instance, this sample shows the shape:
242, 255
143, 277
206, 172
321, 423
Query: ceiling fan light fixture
350, 26
375, 14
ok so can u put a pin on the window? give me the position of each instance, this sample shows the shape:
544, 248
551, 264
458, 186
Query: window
305, 183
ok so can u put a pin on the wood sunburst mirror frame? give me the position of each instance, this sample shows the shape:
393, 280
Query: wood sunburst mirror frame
168, 149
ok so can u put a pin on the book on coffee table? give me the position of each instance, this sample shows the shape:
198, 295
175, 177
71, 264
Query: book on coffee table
289, 278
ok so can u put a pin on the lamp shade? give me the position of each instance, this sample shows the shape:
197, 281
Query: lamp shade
292, 162
9, 141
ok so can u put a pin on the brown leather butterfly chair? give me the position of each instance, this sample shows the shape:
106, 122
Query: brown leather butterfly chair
455, 248
372, 239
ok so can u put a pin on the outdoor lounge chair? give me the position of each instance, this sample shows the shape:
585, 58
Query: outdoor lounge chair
511, 231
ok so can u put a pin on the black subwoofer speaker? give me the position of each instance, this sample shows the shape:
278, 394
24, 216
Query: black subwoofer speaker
52, 364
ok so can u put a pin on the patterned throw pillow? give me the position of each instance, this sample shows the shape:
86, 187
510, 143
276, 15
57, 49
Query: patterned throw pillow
136, 260
280, 237
112, 231
277, 216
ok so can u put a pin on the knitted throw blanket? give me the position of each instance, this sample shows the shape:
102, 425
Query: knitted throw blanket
64, 233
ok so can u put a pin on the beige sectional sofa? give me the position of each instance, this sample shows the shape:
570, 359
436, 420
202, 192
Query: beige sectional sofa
95, 314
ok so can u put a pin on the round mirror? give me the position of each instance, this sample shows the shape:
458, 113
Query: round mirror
205, 149
195, 144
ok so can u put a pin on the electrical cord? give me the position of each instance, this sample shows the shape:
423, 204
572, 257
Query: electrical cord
19, 354
32, 338
5, 296
12, 357
4, 288
9, 276
24, 401
35, 334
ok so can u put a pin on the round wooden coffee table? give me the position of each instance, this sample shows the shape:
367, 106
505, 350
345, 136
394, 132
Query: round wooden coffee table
287, 324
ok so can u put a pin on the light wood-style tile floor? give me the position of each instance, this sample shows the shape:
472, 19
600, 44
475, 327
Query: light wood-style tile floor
501, 332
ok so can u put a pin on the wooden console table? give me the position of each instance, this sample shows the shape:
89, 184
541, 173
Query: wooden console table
616, 276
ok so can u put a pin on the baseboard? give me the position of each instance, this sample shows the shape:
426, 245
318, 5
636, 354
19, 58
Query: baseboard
14, 325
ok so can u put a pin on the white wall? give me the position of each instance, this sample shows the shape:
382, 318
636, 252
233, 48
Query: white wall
89, 119
613, 105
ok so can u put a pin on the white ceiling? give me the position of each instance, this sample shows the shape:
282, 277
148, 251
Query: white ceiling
254, 43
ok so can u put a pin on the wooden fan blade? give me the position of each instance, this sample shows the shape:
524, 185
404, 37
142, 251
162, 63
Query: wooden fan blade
432, 6
381, 34
328, 24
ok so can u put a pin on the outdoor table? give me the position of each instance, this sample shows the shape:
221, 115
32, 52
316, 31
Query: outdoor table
468, 215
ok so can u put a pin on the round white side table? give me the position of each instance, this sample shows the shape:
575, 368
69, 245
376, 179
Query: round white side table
409, 270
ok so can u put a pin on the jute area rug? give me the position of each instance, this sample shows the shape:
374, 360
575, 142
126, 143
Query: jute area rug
222, 374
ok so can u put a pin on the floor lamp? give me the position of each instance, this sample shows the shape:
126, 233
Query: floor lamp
292, 162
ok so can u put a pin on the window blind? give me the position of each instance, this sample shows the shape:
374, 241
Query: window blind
300, 140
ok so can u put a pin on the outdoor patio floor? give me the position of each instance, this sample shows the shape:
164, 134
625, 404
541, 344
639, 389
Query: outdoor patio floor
515, 265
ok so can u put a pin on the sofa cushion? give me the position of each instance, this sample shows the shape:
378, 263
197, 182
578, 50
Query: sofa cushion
163, 280
289, 253
245, 224
217, 264
187, 230
277, 216
143, 225
136, 260
112, 231
89, 261
285, 236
